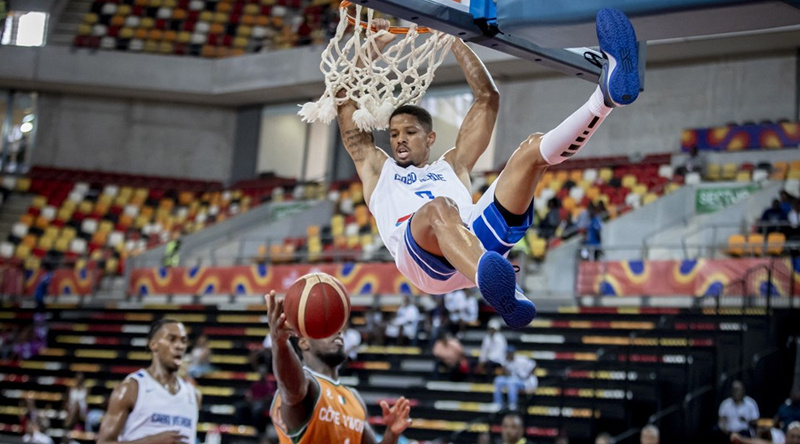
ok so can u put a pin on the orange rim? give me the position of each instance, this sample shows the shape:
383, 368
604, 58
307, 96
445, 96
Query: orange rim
392, 29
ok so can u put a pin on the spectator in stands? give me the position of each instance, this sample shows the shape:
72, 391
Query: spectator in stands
493, 350
592, 239
518, 375
33, 434
352, 340
695, 163
512, 429
649, 435
76, 405
438, 319
739, 413
43, 286
789, 411
7, 338
456, 304
449, 355
253, 410
603, 438
95, 416
787, 201
484, 438
375, 328
773, 219
28, 411
200, 362
794, 222
172, 250
261, 356
793, 433
403, 327
551, 221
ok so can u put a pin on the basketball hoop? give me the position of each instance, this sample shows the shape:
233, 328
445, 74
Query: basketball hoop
378, 81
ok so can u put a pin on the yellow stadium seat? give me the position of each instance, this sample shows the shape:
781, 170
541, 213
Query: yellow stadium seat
150, 46
314, 249
639, 189
793, 175
538, 248
124, 9
23, 184
69, 232
605, 174
39, 202
147, 22
313, 231
775, 243
794, 165
337, 225
736, 245
46, 243
22, 252
90, 18
84, 29
64, 214
649, 198
576, 175
755, 243
100, 237
51, 232
62, 245
714, 171
629, 181
729, 171
743, 176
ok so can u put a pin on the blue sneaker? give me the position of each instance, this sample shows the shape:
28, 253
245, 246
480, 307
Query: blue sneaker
619, 78
497, 282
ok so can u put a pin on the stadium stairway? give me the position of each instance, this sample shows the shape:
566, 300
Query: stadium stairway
599, 368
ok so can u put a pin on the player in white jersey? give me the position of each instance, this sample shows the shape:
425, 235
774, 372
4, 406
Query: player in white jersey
154, 405
439, 239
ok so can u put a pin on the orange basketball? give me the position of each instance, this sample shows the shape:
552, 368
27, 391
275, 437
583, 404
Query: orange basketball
317, 306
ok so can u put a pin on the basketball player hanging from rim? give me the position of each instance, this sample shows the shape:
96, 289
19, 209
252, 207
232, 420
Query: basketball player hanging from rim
440, 240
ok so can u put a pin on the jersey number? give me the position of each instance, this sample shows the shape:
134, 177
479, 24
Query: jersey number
424, 194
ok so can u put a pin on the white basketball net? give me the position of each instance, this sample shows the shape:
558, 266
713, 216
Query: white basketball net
383, 80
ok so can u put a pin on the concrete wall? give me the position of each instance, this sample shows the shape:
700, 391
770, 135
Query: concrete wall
135, 136
169, 135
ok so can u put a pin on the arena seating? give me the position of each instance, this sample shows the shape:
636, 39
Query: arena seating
599, 368
207, 28
79, 215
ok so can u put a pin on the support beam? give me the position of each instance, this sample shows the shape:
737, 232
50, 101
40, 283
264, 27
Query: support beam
460, 23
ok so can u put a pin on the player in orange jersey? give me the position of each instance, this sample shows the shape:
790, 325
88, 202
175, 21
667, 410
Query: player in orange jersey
311, 406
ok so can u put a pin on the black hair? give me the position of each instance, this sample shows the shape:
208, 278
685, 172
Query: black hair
156, 326
422, 115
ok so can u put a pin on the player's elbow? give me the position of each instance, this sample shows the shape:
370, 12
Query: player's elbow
489, 96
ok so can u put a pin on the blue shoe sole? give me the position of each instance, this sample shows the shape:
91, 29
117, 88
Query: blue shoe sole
497, 282
618, 40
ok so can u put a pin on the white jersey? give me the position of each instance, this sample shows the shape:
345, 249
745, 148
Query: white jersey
157, 410
400, 192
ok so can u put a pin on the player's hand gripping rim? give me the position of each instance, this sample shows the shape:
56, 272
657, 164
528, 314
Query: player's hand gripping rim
279, 328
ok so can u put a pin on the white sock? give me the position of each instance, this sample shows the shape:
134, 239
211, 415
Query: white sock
565, 140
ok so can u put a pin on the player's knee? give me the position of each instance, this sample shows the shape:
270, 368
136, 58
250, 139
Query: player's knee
532, 142
442, 210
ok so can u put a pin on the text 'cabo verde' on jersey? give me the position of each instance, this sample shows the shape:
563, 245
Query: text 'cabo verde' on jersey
411, 178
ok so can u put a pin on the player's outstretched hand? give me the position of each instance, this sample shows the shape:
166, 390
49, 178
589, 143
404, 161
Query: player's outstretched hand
279, 329
171, 437
397, 418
